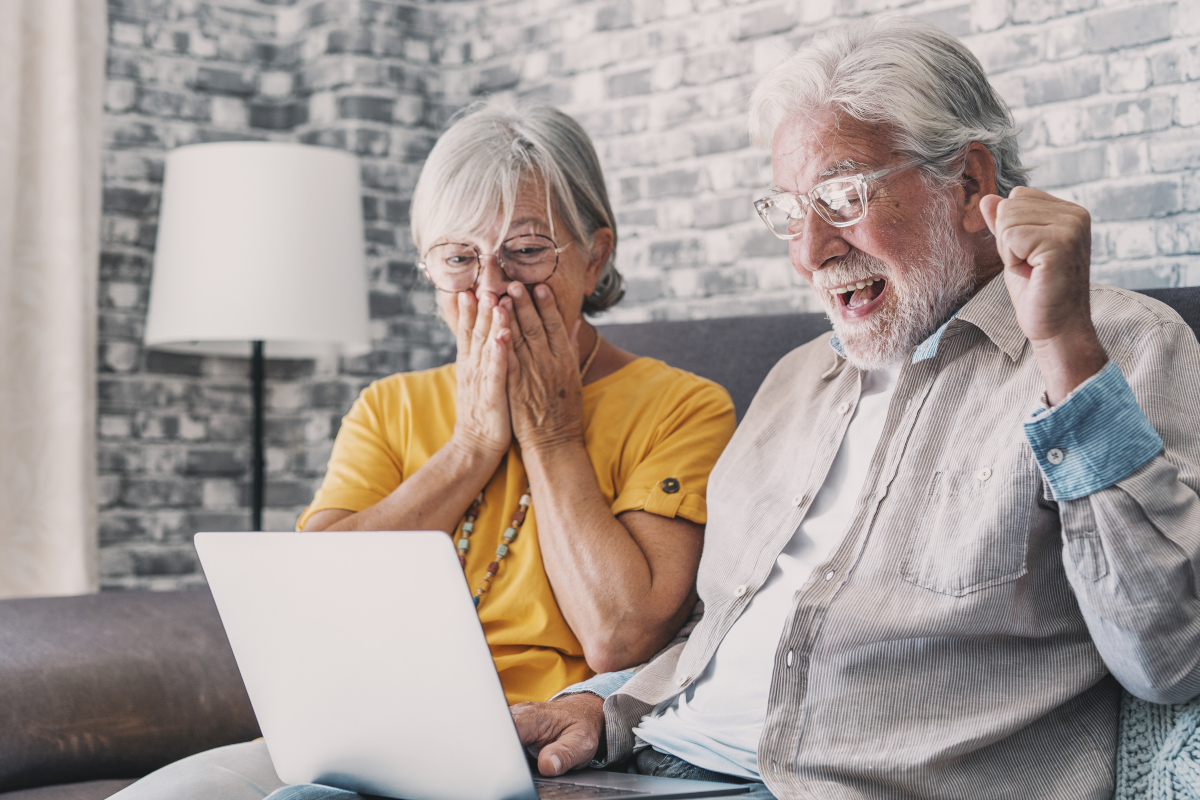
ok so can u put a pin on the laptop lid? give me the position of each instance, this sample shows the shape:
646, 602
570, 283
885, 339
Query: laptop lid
366, 664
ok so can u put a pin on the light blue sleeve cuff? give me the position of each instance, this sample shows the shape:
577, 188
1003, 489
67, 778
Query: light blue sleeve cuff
1095, 437
602, 685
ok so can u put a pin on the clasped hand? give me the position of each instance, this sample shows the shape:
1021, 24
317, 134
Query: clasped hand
518, 371
1045, 245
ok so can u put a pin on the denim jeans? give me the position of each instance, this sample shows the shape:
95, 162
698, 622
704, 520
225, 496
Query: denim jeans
664, 765
647, 762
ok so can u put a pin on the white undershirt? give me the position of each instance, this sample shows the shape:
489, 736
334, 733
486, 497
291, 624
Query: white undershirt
717, 722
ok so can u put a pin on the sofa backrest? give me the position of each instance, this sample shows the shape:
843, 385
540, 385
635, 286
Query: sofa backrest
738, 352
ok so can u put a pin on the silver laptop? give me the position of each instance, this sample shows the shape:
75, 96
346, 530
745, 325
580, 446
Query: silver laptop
368, 670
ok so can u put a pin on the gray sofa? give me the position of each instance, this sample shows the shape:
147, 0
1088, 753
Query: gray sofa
96, 691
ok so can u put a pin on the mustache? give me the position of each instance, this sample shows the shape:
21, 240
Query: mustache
854, 266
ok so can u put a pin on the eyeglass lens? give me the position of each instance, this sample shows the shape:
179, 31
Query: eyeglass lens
838, 202
527, 259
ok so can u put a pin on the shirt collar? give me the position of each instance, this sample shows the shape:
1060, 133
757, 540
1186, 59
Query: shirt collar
990, 310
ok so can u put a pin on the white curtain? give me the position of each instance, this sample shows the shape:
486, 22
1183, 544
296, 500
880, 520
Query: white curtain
52, 55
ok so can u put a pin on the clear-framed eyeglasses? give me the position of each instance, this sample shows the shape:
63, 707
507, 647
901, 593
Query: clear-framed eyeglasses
455, 267
841, 201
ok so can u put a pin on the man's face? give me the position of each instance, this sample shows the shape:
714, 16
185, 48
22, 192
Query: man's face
909, 253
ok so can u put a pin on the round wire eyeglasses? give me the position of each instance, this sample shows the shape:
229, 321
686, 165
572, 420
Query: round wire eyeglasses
456, 266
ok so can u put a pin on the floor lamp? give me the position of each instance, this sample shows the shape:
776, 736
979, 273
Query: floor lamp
260, 254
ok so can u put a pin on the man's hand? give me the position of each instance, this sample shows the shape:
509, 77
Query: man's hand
1045, 244
564, 733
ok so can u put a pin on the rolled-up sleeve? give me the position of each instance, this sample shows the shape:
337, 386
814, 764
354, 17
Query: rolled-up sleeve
1097, 436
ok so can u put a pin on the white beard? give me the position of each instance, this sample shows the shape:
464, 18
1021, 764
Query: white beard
916, 305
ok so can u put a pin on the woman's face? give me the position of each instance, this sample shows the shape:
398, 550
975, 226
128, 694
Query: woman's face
573, 280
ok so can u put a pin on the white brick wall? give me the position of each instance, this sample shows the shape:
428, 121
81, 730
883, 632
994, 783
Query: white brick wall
1107, 94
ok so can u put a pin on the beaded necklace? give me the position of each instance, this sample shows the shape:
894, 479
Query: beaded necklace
514, 527
510, 536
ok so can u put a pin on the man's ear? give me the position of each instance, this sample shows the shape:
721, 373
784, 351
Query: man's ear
978, 181
602, 246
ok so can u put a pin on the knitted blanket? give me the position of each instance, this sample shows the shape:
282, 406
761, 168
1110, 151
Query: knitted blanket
1158, 751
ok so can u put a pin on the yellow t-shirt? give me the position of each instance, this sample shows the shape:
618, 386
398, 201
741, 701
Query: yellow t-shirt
643, 424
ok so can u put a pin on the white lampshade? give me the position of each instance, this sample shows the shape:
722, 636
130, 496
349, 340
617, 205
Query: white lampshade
259, 241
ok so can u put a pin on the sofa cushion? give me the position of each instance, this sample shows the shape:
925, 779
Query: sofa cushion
114, 686
736, 352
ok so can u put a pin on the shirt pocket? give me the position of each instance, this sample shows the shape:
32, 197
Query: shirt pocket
972, 533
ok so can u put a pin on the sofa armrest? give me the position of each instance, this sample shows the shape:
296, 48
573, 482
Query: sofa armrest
114, 686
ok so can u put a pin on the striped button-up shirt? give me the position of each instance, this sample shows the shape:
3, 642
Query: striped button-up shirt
1004, 562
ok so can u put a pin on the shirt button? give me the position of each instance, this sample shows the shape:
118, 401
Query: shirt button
983, 474
829, 575
741, 590
681, 680
670, 485
798, 500
789, 658
843, 408
1055, 456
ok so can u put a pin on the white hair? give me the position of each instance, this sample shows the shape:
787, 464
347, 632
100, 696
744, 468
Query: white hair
478, 166
903, 73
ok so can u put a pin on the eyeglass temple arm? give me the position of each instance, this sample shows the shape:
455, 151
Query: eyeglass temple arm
912, 162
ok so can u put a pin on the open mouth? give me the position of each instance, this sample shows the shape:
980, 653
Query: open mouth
858, 298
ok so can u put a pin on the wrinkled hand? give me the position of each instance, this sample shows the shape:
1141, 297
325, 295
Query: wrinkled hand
545, 391
482, 424
564, 733
1046, 244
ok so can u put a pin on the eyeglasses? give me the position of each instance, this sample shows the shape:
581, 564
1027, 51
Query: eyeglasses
841, 201
455, 267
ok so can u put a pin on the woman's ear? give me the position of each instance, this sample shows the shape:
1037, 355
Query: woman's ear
602, 246
978, 181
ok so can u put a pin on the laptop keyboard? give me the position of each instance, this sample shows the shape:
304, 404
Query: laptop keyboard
549, 790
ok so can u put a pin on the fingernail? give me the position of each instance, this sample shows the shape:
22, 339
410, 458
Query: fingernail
542, 291
557, 764
515, 289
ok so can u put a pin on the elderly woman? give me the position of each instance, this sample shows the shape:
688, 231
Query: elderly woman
570, 473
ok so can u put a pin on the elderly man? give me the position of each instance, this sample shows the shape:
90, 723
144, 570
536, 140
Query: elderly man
940, 542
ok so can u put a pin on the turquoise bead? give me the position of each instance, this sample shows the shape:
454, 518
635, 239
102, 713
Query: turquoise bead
510, 534
502, 551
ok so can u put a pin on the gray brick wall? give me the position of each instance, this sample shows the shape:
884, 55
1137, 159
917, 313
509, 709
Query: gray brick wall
174, 430
1107, 94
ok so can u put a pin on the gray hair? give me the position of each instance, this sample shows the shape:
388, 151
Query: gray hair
907, 74
478, 165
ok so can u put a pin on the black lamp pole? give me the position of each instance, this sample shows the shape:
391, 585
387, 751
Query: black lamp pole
257, 379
